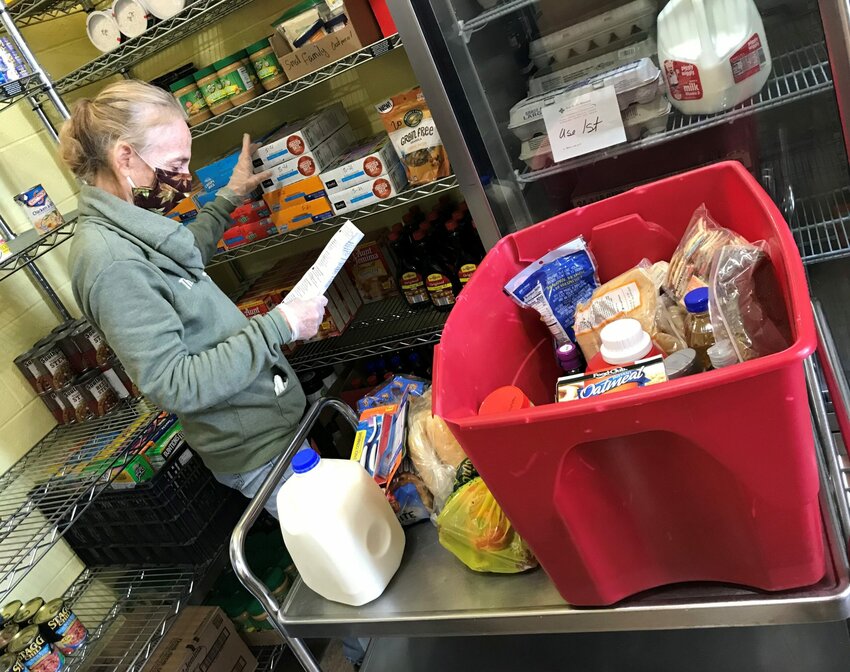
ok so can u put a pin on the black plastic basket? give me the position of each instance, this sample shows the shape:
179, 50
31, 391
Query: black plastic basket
181, 515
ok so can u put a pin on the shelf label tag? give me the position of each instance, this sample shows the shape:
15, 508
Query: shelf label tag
584, 123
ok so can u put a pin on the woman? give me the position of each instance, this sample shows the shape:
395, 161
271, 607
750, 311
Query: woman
140, 278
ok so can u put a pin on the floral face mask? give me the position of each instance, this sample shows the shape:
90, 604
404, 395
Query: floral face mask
168, 189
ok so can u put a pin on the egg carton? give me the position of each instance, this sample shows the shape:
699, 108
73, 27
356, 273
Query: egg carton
639, 120
635, 82
646, 48
585, 37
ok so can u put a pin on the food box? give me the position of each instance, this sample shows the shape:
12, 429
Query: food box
312, 162
361, 30
293, 140
164, 445
136, 470
635, 82
370, 159
302, 214
370, 272
307, 189
560, 78
186, 210
250, 212
374, 190
242, 234
217, 174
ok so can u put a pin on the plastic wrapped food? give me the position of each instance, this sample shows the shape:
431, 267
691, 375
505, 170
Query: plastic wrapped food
691, 263
473, 527
746, 303
434, 450
407, 493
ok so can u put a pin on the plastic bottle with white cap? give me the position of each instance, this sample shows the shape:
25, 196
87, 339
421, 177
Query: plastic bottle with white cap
722, 354
339, 528
624, 342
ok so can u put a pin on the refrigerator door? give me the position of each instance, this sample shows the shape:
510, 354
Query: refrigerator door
550, 105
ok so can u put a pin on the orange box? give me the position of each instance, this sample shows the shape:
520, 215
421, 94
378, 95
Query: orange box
302, 214
308, 189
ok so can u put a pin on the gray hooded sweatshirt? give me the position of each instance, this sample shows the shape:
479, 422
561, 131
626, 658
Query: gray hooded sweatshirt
140, 278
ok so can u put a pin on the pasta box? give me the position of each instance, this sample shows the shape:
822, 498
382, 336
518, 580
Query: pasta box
293, 140
308, 189
370, 192
302, 214
367, 161
311, 162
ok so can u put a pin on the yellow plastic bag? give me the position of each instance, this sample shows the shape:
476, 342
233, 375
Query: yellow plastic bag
473, 527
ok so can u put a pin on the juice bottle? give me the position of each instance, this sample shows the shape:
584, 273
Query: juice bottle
624, 342
442, 286
410, 274
698, 331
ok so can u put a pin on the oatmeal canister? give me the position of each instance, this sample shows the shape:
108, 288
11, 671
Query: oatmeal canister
60, 626
34, 652
40, 209
213, 91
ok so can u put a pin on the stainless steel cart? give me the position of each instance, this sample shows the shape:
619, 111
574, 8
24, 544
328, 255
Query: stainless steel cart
435, 596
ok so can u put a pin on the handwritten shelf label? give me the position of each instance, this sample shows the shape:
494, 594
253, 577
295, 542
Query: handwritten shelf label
582, 123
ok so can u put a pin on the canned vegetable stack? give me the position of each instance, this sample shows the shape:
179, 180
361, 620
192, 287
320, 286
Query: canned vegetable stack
36, 636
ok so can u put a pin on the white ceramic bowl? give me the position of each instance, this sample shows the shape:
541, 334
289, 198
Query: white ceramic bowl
131, 17
164, 9
102, 29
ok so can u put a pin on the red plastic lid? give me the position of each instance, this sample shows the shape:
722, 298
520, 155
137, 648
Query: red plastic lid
457, 216
503, 399
393, 237
419, 234
397, 227
433, 217
425, 226
407, 218
452, 226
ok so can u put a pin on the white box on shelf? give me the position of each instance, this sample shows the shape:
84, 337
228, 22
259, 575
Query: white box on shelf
373, 158
312, 162
370, 192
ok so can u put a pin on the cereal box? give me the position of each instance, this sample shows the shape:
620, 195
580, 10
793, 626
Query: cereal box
648, 371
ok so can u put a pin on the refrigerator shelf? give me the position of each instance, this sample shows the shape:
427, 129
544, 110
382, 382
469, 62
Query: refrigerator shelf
404, 198
44, 492
127, 612
797, 73
821, 226
378, 328
195, 16
29, 246
294, 87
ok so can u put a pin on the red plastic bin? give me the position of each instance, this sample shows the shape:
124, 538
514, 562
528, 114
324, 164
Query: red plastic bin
706, 478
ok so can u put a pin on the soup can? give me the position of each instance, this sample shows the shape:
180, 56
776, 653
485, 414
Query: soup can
7, 613
7, 633
56, 405
69, 346
92, 344
98, 393
34, 652
9, 663
53, 363
28, 610
120, 381
40, 209
60, 626
76, 400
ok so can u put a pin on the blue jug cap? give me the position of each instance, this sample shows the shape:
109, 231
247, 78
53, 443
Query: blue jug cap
305, 460
696, 301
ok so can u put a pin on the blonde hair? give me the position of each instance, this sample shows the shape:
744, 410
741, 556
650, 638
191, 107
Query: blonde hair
123, 111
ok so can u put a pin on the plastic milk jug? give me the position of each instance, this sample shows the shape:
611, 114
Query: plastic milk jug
339, 528
713, 53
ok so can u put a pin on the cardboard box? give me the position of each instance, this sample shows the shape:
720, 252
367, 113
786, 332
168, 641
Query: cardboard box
299, 137
202, 639
370, 272
250, 212
370, 192
373, 158
186, 210
302, 214
312, 162
217, 174
164, 445
242, 234
308, 189
362, 30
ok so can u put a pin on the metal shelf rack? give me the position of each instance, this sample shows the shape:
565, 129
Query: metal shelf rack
29, 246
268, 657
127, 612
296, 86
797, 73
18, 89
45, 491
405, 197
821, 226
193, 18
31, 12
380, 327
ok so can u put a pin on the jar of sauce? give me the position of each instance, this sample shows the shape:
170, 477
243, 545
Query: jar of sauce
235, 79
92, 344
55, 367
212, 89
191, 100
265, 64
98, 393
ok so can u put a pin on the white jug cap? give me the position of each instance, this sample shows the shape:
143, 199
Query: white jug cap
624, 341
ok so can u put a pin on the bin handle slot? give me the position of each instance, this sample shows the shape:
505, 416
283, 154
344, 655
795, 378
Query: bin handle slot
237, 540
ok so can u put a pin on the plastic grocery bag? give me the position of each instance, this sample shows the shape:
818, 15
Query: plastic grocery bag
473, 527
746, 304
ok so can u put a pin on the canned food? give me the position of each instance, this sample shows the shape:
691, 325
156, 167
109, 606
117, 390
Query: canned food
98, 393
55, 367
63, 414
34, 652
67, 344
28, 368
116, 374
7, 613
28, 610
7, 633
9, 663
75, 400
40, 209
60, 626
92, 344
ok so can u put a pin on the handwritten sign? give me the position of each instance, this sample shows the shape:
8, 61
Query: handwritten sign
582, 123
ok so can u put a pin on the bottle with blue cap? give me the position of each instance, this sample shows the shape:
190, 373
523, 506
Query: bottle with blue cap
698, 331
339, 528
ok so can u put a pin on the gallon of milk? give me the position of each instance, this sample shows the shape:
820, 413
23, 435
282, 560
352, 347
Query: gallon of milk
339, 528
713, 53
